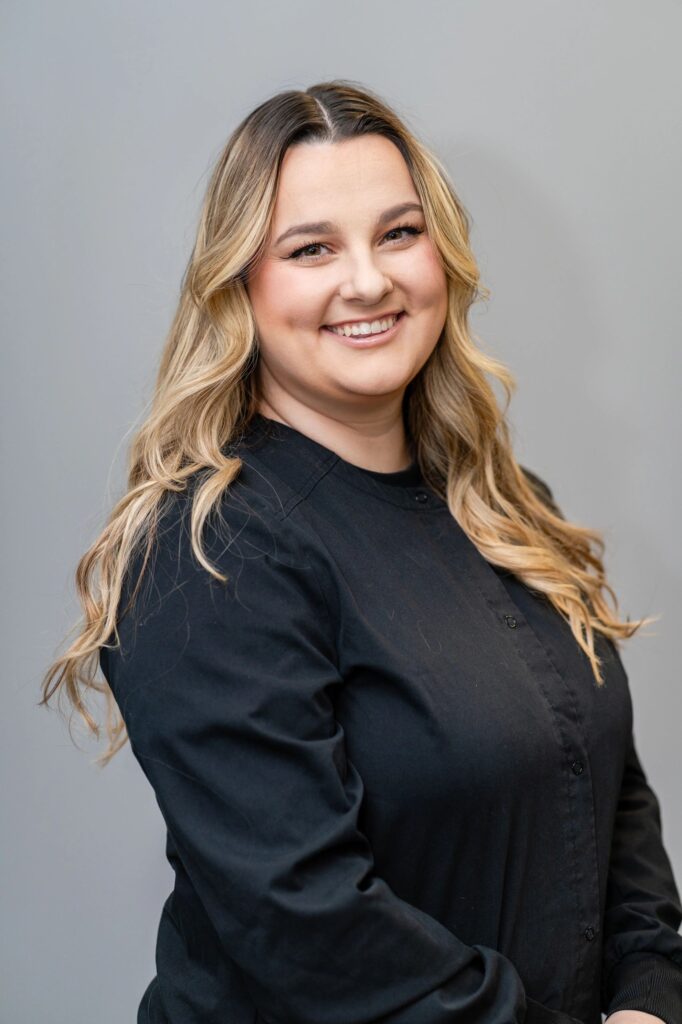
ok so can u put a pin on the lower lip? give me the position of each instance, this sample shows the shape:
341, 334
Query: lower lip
367, 340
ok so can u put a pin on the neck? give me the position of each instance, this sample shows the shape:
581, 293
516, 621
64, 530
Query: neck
376, 441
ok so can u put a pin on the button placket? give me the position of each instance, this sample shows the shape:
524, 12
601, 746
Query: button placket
579, 807
577, 801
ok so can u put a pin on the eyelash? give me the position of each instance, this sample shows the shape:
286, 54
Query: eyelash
297, 253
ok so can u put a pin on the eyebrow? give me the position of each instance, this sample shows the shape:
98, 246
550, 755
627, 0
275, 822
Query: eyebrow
321, 227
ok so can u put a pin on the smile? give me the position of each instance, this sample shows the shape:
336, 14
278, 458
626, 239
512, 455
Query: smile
364, 327
367, 333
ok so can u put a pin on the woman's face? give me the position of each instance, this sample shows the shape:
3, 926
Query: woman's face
368, 260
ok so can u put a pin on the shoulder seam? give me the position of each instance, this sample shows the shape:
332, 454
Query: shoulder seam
301, 492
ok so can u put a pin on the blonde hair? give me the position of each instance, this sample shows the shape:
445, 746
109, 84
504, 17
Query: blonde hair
204, 396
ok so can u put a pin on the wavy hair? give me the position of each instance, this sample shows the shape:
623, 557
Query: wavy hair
205, 394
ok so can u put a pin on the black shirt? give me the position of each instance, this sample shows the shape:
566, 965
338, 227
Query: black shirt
392, 789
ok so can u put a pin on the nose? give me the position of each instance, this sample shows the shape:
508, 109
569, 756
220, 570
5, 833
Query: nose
364, 280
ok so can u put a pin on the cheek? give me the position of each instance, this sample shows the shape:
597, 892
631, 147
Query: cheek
429, 280
281, 295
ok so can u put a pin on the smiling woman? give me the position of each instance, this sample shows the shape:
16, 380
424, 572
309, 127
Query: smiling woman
369, 264
368, 667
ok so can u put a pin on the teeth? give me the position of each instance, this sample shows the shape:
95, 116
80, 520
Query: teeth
365, 327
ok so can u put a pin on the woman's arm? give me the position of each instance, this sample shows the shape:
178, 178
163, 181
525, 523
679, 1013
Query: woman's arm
642, 960
642, 965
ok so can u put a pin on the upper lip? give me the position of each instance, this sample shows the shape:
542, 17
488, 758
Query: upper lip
366, 319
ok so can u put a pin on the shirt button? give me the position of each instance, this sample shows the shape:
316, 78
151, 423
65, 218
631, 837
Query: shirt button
578, 767
511, 621
421, 496
589, 933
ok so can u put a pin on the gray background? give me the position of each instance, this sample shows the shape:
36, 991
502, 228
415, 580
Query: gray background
560, 125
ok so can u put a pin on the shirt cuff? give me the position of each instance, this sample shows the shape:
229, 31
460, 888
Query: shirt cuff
650, 984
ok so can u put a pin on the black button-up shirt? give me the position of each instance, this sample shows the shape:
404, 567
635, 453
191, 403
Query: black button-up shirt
392, 789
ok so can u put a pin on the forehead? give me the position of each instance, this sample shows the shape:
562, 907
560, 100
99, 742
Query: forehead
335, 180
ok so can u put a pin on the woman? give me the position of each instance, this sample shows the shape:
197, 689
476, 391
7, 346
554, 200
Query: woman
367, 666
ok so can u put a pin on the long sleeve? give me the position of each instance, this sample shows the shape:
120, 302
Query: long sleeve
642, 966
227, 694
642, 948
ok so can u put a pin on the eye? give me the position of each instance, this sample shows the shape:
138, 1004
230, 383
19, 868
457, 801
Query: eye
405, 227
303, 253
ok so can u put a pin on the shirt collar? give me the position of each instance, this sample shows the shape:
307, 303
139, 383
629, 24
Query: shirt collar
304, 461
